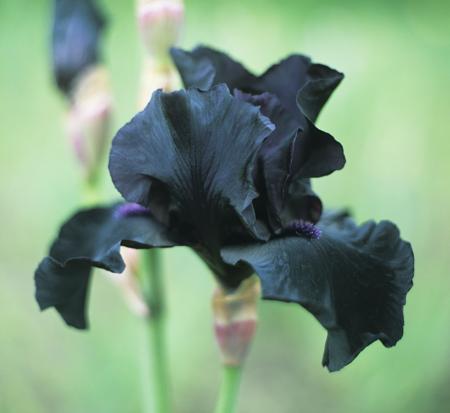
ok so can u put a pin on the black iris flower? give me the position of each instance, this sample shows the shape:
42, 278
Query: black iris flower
77, 25
225, 167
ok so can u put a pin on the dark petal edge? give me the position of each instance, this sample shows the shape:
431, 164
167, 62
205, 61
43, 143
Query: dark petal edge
204, 67
201, 145
91, 238
322, 81
354, 280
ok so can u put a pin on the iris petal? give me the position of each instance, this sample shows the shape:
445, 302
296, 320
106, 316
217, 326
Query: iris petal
295, 150
322, 81
353, 279
315, 153
192, 153
91, 238
296, 81
204, 67
195, 71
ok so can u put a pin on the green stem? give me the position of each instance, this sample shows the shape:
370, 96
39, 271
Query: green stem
153, 289
90, 194
229, 390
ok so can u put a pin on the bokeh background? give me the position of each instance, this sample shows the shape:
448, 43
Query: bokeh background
392, 114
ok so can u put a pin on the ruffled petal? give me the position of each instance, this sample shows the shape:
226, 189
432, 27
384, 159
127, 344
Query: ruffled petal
296, 81
92, 238
204, 67
195, 71
294, 151
314, 153
322, 81
190, 156
299, 83
353, 279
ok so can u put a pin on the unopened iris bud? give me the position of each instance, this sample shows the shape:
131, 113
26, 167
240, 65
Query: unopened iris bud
128, 283
77, 27
160, 23
89, 118
235, 319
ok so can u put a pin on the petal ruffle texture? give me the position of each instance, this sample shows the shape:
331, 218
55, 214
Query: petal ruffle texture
92, 238
190, 156
291, 94
354, 280
296, 150
204, 67
295, 80
77, 25
298, 81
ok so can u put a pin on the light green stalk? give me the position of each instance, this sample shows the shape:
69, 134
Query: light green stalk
229, 391
153, 289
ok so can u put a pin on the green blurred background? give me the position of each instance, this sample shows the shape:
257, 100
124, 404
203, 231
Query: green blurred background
391, 113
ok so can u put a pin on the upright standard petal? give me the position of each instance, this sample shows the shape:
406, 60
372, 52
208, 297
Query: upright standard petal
92, 238
77, 25
300, 83
195, 71
189, 155
204, 67
354, 280
295, 151
296, 81
322, 81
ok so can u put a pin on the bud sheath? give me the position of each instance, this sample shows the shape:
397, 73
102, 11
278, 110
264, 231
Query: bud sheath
89, 118
128, 283
235, 319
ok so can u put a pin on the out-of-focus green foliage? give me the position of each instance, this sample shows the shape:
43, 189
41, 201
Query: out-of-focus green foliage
392, 115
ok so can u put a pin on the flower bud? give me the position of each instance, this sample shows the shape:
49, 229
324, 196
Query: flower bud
89, 118
160, 23
235, 319
77, 28
128, 283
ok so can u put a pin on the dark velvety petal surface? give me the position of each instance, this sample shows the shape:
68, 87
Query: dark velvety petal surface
285, 79
77, 25
315, 153
296, 81
192, 153
300, 202
295, 150
300, 83
195, 71
353, 279
204, 67
92, 238
321, 83
275, 153
65, 288
288, 165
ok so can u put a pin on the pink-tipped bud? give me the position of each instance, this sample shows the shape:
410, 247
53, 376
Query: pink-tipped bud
235, 319
160, 23
89, 118
128, 283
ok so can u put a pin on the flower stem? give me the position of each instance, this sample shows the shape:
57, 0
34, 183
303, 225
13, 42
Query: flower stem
90, 194
153, 290
229, 390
